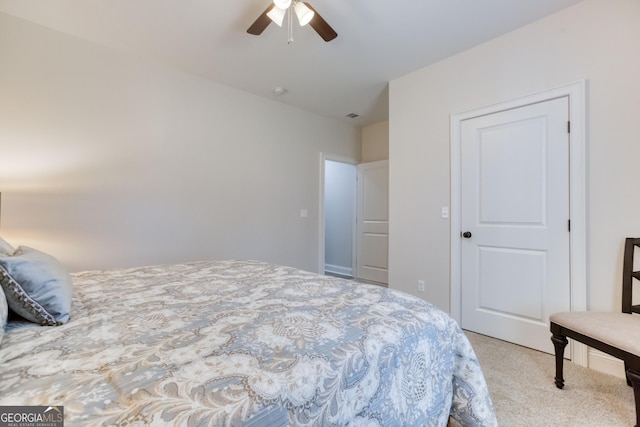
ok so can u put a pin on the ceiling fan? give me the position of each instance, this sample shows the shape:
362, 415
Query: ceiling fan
306, 14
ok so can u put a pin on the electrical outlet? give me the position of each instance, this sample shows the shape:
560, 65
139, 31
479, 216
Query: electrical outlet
420, 285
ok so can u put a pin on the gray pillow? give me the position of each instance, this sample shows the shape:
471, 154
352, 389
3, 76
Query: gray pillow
37, 286
4, 313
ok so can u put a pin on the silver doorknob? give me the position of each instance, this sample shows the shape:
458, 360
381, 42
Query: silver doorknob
466, 234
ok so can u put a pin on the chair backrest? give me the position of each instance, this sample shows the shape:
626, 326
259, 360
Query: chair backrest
628, 275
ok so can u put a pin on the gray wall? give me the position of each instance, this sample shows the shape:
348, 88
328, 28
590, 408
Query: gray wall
109, 160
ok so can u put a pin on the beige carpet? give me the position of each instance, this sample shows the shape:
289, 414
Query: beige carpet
521, 384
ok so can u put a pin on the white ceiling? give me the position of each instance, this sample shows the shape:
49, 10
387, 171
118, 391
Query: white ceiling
378, 41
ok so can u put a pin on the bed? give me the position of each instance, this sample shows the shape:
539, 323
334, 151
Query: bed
243, 343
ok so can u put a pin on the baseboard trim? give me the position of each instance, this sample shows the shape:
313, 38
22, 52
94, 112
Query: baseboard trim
339, 270
603, 362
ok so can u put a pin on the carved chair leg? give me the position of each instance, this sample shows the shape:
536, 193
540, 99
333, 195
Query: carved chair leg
626, 370
634, 377
560, 342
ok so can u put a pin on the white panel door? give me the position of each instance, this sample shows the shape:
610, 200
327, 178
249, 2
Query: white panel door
515, 222
372, 257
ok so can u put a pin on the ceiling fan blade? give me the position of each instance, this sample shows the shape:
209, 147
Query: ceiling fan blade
323, 29
261, 23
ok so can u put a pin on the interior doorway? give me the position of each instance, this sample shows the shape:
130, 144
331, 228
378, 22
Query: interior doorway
339, 217
575, 92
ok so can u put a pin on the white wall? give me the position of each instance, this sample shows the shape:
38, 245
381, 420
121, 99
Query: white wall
108, 160
598, 40
339, 216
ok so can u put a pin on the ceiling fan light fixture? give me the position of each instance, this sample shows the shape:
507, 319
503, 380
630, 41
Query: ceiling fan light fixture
282, 4
305, 15
277, 15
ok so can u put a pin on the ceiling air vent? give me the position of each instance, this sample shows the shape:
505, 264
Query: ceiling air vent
353, 115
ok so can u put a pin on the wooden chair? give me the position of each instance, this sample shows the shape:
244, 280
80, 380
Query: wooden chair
617, 334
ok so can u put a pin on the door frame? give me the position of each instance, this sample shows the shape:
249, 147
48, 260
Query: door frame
576, 92
321, 226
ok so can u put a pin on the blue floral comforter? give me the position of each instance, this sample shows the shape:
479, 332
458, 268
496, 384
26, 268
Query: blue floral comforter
237, 343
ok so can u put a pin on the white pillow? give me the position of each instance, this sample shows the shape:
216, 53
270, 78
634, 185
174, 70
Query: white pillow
5, 248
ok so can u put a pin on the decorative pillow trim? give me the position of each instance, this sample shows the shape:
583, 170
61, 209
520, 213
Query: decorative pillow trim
4, 312
22, 303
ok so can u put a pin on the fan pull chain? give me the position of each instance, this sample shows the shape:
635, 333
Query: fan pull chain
290, 25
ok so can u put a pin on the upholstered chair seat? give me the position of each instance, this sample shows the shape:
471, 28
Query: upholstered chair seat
617, 334
619, 330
